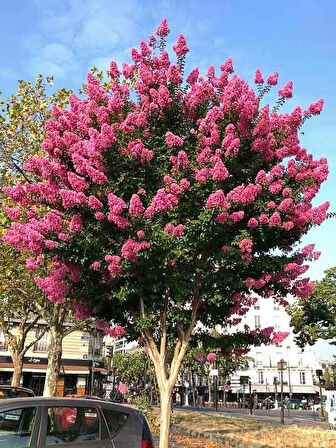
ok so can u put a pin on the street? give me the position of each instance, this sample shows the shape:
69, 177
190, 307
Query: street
292, 416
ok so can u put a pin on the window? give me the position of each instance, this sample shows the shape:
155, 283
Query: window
3, 346
96, 344
72, 424
302, 377
257, 305
259, 359
257, 321
261, 377
42, 344
115, 420
16, 427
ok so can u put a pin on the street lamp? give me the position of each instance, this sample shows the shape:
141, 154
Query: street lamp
319, 374
289, 376
282, 365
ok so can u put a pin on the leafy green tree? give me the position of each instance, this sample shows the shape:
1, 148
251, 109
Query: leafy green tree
22, 120
314, 317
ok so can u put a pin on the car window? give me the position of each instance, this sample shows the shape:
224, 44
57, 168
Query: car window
114, 419
72, 424
16, 427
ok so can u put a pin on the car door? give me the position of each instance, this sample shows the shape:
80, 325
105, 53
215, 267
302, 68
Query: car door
73, 426
125, 426
19, 426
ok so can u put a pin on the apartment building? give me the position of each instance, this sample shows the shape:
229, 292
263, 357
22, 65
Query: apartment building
82, 357
301, 364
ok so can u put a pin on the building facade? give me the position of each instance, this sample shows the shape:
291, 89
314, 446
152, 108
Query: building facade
82, 366
298, 377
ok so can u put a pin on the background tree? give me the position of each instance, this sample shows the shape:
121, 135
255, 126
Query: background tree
22, 120
134, 368
169, 203
314, 317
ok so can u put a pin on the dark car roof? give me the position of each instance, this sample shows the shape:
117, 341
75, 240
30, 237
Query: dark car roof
7, 387
71, 402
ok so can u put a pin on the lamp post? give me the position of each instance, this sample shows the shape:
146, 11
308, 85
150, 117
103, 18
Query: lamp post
289, 376
282, 365
319, 374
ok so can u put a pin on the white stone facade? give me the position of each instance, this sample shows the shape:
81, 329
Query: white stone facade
263, 360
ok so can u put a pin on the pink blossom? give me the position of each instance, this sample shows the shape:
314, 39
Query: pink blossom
13, 213
286, 192
123, 389
199, 357
266, 332
258, 78
185, 184
202, 175
252, 223
315, 108
237, 216
173, 140
222, 217
140, 234
219, 171
136, 207
78, 183
225, 248
275, 220
181, 48
273, 79
75, 224
211, 357
163, 29
99, 216
271, 205
217, 200
227, 66
287, 225
287, 91
263, 219
246, 245
95, 266
286, 205
131, 248
279, 337
94, 203
178, 231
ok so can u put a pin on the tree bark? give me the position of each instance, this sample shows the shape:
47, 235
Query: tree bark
18, 367
54, 361
209, 388
165, 415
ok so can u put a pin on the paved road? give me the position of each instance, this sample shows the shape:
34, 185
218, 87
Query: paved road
294, 416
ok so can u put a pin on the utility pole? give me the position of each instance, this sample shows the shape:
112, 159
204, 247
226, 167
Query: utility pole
282, 365
289, 376
319, 374
93, 347
250, 399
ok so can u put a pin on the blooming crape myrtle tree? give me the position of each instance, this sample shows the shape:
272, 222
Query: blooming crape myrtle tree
171, 202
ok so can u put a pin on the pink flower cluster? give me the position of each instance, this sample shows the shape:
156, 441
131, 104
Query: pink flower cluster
211, 357
131, 248
176, 231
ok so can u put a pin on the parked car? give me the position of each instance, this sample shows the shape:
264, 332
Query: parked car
15, 392
35, 422
293, 403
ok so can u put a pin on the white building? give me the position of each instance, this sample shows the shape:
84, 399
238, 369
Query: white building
263, 363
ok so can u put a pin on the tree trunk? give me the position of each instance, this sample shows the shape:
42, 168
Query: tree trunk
18, 367
54, 362
165, 415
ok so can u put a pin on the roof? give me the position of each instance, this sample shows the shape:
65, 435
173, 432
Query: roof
71, 402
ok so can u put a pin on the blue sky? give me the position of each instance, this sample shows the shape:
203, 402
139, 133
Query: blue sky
297, 38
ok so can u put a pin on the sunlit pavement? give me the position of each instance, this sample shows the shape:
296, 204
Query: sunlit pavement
293, 416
